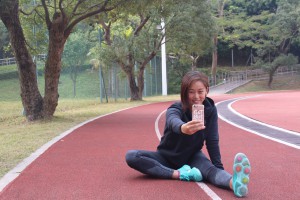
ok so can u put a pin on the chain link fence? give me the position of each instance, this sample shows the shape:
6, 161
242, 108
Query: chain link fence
80, 82
110, 83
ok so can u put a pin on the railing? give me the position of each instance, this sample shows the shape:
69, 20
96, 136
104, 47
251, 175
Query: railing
260, 73
12, 61
7, 61
255, 74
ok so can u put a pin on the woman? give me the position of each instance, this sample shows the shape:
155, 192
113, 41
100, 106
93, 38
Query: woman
179, 154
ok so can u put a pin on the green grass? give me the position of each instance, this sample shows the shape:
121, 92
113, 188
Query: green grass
8, 68
283, 82
10, 90
87, 87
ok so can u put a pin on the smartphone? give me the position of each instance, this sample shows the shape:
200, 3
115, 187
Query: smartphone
198, 112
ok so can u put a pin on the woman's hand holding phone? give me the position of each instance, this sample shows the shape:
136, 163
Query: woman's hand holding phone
197, 122
192, 127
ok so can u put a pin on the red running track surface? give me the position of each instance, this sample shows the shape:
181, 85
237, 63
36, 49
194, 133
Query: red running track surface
90, 163
281, 109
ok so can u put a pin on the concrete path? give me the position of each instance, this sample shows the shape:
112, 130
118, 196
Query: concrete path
226, 87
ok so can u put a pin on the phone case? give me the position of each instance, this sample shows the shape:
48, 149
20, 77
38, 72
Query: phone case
198, 112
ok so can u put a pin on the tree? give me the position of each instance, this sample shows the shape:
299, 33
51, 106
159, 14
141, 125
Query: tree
287, 24
286, 27
280, 61
219, 5
190, 45
31, 97
132, 37
60, 17
270, 30
75, 54
127, 45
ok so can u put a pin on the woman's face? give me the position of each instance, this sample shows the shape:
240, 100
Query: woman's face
197, 93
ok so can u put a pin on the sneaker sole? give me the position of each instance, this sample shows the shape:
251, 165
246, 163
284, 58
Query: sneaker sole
241, 172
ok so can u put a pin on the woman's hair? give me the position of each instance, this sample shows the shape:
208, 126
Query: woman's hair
188, 79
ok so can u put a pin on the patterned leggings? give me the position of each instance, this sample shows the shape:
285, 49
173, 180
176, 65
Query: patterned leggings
154, 164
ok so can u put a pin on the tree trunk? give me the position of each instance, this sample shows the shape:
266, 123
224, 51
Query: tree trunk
31, 98
214, 64
271, 75
57, 40
140, 78
73, 75
194, 64
141, 82
74, 88
270, 80
214, 60
134, 90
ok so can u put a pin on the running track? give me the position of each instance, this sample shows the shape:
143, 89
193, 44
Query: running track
89, 163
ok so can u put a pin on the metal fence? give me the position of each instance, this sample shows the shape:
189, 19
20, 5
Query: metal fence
255, 74
110, 83
12, 61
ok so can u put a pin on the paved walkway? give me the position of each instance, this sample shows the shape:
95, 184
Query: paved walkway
226, 87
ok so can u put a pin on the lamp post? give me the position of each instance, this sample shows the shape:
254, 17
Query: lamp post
163, 60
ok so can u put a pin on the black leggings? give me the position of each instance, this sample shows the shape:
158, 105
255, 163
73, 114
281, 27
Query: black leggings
153, 163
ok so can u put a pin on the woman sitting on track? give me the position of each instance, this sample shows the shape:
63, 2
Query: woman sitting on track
179, 154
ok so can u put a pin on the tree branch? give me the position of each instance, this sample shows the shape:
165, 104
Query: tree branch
62, 10
141, 25
47, 17
77, 5
89, 14
147, 60
106, 31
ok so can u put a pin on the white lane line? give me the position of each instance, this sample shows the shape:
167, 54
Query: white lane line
16, 171
208, 191
202, 185
156, 125
249, 119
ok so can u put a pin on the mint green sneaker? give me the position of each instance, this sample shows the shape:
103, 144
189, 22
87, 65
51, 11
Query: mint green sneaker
241, 172
190, 174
